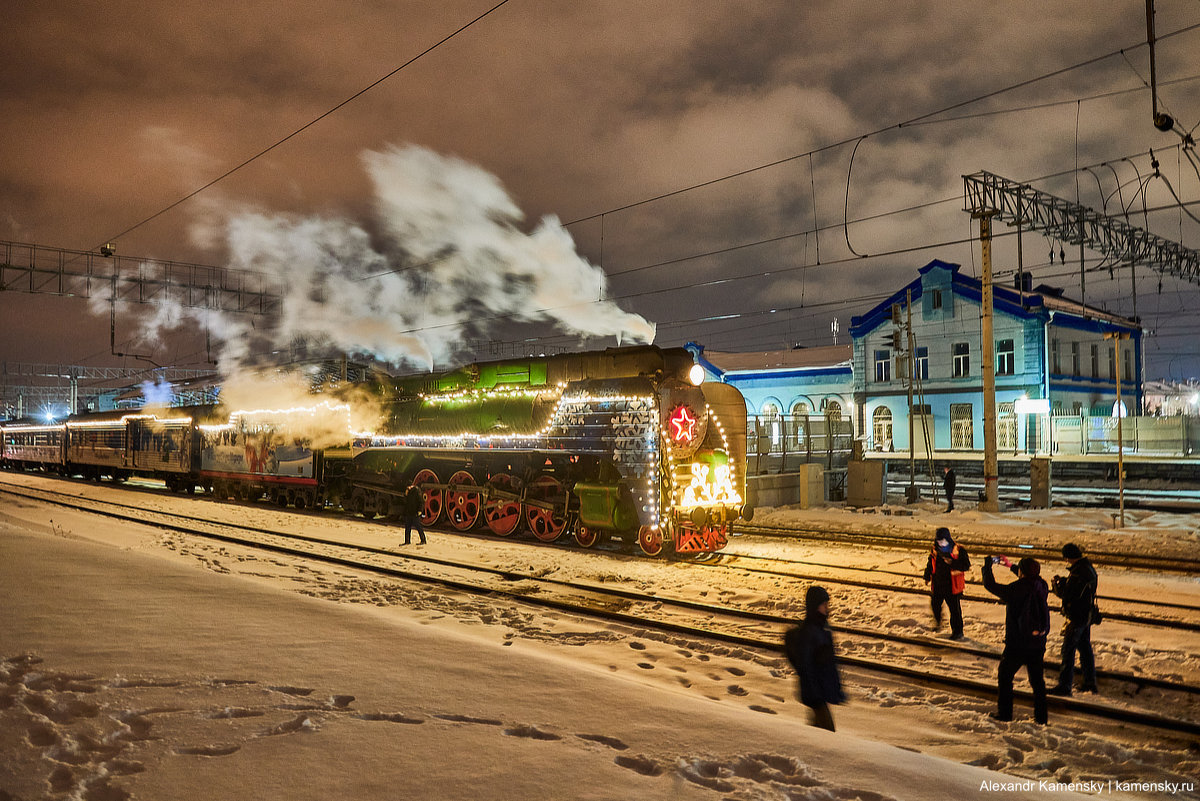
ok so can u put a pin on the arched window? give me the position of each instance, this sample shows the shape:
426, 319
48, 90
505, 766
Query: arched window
799, 422
833, 410
773, 417
882, 428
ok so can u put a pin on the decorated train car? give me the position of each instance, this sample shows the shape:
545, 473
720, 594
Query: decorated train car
132, 445
625, 443
32, 447
266, 453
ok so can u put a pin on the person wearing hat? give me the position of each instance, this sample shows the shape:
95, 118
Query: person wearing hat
946, 577
1026, 624
809, 647
1078, 594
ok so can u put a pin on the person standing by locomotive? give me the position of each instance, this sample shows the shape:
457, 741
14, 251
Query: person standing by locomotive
949, 482
946, 577
1078, 593
809, 647
414, 506
1026, 623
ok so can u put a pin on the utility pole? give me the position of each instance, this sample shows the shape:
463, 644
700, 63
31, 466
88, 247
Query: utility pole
1118, 337
909, 377
991, 470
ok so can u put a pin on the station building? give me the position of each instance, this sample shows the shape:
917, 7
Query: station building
1055, 357
1057, 366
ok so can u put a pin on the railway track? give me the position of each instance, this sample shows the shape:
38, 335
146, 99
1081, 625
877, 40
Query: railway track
963, 667
730, 560
913, 542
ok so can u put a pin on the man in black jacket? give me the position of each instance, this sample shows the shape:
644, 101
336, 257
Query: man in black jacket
1026, 623
414, 506
1078, 594
809, 648
949, 481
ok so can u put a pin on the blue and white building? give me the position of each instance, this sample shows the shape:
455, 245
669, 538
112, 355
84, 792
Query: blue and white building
794, 383
1054, 356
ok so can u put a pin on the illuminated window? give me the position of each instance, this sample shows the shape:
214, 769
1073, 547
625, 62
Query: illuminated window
962, 432
774, 421
881, 421
1006, 426
800, 413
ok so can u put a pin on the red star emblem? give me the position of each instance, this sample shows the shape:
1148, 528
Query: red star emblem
683, 425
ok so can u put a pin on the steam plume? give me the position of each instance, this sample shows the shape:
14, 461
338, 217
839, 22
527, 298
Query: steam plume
452, 259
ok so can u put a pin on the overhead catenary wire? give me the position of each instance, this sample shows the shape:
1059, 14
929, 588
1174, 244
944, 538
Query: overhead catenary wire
906, 123
307, 125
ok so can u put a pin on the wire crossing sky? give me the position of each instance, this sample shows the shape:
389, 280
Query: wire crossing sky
702, 152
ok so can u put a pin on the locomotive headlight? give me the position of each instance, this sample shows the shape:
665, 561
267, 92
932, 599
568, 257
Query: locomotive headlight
696, 375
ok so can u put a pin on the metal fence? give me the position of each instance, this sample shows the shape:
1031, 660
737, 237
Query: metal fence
781, 443
1150, 436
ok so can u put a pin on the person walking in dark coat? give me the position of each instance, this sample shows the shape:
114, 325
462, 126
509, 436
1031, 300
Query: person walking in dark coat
809, 648
1078, 594
414, 507
946, 576
949, 481
1026, 623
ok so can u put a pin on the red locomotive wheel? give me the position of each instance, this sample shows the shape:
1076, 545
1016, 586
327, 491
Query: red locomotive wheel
650, 540
434, 499
547, 524
588, 537
502, 513
462, 506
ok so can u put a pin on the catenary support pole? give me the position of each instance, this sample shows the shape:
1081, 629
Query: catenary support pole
991, 471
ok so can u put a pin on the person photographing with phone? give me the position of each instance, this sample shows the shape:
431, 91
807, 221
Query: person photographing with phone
1026, 624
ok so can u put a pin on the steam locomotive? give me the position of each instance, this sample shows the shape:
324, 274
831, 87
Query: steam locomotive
626, 443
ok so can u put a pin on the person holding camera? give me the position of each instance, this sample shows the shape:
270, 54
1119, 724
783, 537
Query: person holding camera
1078, 593
946, 577
1026, 624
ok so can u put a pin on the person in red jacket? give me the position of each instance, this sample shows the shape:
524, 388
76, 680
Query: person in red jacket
946, 576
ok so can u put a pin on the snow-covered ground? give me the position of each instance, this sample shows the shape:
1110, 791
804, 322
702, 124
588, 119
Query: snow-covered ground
139, 663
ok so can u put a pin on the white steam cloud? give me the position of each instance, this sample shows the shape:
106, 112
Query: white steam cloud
452, 261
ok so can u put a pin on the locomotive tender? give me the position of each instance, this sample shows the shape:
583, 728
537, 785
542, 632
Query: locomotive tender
615, 443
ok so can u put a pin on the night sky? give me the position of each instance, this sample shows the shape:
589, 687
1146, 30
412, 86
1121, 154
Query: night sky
698, 153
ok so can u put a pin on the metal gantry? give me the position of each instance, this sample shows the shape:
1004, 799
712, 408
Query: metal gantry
985, 194
80, 273
26, 387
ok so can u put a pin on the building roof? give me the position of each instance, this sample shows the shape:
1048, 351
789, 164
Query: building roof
791, 359
1035, 302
